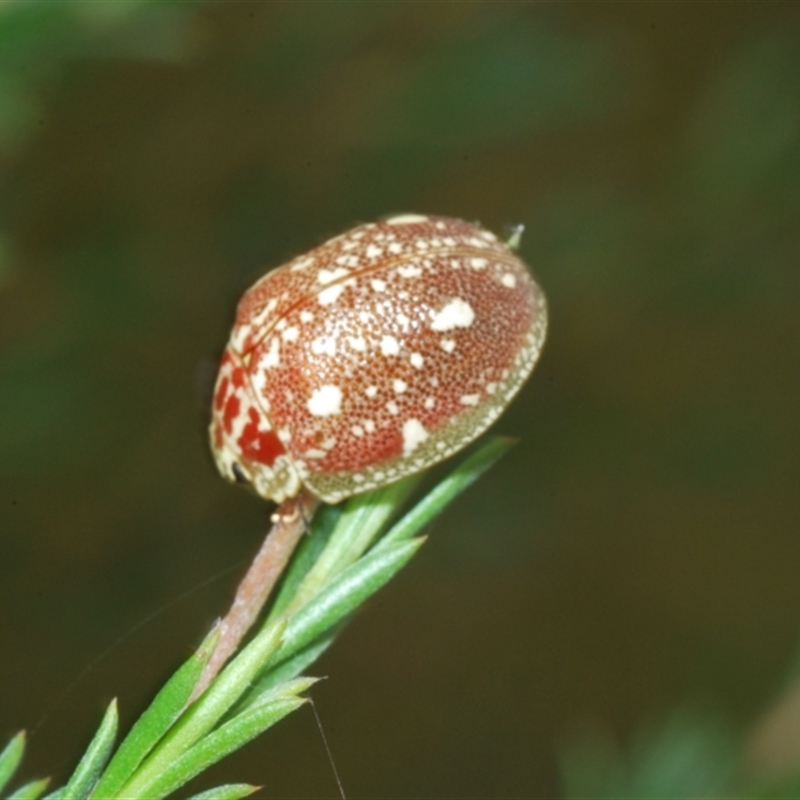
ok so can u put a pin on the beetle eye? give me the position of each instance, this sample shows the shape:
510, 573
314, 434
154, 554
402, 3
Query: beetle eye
238, 474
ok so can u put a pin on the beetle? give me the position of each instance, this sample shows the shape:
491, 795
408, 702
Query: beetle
373, 356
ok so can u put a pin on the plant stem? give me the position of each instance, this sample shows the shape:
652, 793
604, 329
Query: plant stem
289, 523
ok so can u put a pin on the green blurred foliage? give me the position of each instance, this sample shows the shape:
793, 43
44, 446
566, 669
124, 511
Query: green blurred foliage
638, 550
683, 758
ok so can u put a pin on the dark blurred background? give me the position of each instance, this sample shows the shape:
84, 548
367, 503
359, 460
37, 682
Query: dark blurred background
638, 551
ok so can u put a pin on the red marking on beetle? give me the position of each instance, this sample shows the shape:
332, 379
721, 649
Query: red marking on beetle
238, 377
261, 446
232, 407
222, 393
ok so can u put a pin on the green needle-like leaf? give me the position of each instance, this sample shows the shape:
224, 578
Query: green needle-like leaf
292, 667
155, 721
91, 765
10, 758
229, 737
291, 688
204, 714
447, 490
363, 518
30, 791
325, 522
261, 692
344, 594
232, 791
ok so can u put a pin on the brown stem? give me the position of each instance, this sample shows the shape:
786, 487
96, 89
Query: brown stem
289, 523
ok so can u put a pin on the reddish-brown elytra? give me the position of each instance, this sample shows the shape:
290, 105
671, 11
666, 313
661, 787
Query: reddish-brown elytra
373, 356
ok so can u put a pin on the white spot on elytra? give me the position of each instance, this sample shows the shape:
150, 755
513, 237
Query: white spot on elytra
395, 247
240, 335
508, 280
403, 320
325, 401
273, 357
390, 346
259, 380
414, 434
330, 295
491, 388
365, 317
430, 402
358, 343
291, 334
392, 407
371, 391
457, 313
324, 345
417, 360
470, 399
285, 435
406, 219
409, 271
357, 430
478, 263
374, 252
325, 276
378, 285
358, 477
399, 386
306, 316
369, 426
448, 345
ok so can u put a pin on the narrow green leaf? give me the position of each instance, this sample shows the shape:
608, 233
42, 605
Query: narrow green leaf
10, 758
226, 739
290, 688
30, 791
447, 490
232, 791
204, 714
267, 694
58, 794
291, 667
363, 518
155, 721
325, 521
344, 594
91, 765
